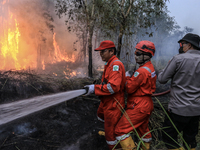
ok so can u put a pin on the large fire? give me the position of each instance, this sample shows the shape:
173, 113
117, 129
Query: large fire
15, 54
9, 40
58, 55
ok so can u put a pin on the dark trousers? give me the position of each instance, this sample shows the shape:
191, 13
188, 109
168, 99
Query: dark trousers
188, 124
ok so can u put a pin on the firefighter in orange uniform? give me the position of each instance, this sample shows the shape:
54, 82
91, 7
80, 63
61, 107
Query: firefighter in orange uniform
111, 89
139, 87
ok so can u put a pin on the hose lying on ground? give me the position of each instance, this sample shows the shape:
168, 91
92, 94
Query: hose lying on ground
162, 93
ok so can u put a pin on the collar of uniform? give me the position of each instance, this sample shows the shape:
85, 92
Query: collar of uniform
110, 60
193, 51
147, 63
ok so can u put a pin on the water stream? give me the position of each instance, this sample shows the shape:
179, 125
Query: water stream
14, 110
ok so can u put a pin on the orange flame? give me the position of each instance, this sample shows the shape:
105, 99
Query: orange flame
55, 74
10, 37
15, 52
58, 56
10, 44
43, 65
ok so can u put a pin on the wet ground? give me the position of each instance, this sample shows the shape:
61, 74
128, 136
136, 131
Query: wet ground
71, 125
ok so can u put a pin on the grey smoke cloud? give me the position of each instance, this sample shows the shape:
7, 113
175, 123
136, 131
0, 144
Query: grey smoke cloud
186, 13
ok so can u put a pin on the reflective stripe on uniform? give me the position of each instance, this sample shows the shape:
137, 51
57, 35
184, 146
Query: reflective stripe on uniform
147, 69
100, 119
153, 74
110, 88
111, 142
122, 137
146, 140
113, 62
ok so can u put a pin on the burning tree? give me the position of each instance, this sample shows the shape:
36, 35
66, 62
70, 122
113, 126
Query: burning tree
83, 16
30, 38
9, 38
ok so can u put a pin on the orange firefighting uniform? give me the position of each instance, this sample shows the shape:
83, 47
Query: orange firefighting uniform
112, 86
139, 103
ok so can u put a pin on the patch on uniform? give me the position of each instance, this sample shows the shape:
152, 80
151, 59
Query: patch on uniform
136, 74
115, 68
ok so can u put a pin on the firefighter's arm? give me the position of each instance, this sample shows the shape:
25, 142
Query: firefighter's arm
113, 84
168, 72
134, 82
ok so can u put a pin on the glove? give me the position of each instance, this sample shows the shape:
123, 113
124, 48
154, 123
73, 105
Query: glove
89, 89
129, 73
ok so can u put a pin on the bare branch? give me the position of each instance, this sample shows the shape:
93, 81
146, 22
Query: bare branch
130, 6
118, 3
122, 8
92, 13
122, 3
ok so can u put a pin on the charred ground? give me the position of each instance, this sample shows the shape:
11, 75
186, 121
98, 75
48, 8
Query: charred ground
71, 125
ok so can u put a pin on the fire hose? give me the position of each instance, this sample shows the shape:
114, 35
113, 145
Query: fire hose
162, 93
21, 108
14, 110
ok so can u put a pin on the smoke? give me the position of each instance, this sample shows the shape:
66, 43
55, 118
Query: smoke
24, 129
37, 23
165, 36
77, 144
186, 15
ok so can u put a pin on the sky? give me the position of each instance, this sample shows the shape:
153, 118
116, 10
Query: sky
186, 13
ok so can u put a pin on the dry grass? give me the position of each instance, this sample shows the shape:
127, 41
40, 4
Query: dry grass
16, 85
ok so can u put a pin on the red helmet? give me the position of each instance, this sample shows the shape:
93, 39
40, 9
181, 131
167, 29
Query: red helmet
146, 46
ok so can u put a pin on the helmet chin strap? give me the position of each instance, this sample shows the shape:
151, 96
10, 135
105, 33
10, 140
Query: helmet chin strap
144, 60
142, 63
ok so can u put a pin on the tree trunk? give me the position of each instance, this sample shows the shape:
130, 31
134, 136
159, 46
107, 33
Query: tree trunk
120, 41
90, 50
84, 37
